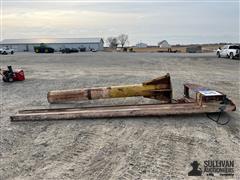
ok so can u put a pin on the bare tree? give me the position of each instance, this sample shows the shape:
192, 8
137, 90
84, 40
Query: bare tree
123, 38
113, 42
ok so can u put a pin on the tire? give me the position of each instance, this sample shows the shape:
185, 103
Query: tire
231, 56
10, 80
4, 53
218, 54
4, 79
12, 52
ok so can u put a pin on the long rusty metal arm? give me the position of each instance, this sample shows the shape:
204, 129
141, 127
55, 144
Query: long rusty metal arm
118, 111
206, 101
159, 88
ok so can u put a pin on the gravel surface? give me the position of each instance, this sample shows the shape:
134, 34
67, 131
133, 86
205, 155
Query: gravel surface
122, 148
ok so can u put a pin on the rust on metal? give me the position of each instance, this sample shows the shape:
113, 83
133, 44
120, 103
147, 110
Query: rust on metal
205, 101
159, 88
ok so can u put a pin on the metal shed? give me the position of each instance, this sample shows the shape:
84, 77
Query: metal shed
194, 49
22, 45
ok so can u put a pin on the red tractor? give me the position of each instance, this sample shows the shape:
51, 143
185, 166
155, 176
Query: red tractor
9, 75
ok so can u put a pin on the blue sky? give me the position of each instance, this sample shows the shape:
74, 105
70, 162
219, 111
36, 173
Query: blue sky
179, 22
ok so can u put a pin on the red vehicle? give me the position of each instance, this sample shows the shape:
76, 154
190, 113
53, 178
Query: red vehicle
10, 76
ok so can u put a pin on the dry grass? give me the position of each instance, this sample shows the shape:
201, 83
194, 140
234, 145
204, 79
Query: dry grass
181, 49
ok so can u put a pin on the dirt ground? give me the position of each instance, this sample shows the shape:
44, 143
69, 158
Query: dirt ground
123, 148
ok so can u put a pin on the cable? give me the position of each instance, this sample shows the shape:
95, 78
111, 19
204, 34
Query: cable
224, 103
218, 118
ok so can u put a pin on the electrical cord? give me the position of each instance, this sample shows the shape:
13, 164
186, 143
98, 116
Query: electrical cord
219, 114
218, 118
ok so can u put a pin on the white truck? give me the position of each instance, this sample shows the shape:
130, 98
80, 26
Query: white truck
229, 51
6, 51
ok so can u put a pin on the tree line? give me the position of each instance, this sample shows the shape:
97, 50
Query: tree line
113, 42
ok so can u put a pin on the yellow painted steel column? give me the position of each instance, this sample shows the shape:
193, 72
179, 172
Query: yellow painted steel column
159, 88
133, 90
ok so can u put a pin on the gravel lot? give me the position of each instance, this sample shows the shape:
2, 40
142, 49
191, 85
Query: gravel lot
123, 148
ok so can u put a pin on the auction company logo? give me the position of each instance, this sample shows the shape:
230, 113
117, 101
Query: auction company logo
212, 168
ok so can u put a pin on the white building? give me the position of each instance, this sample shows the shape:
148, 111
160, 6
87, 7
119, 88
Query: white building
21, 45
164, 44
141, 45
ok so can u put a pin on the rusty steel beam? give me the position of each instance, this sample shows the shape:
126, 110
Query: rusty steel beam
118, 111
205, 101
159, 88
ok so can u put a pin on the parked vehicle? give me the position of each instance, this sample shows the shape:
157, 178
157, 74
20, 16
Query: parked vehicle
93, 50
69, 50
6, 51
43, 49
82, 49
229, 51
